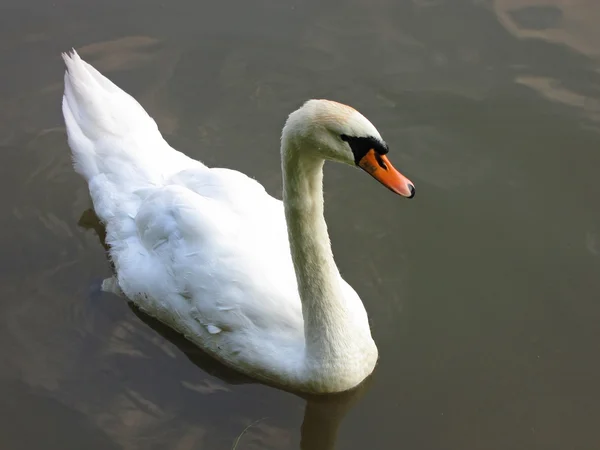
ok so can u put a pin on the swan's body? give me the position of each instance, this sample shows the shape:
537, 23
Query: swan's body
207, 251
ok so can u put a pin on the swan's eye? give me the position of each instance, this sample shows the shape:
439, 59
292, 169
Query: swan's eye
361, 145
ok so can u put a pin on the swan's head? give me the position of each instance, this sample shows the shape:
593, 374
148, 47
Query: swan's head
337, 132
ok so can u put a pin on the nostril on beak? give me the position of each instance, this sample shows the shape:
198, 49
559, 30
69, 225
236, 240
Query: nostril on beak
412, 190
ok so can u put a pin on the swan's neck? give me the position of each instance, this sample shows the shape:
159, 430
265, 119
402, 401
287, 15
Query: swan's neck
333, 338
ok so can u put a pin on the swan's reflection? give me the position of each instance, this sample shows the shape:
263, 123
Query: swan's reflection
323, 414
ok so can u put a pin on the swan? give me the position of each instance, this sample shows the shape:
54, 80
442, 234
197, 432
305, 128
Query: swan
207, 251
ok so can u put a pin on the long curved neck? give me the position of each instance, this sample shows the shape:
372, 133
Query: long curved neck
327, 327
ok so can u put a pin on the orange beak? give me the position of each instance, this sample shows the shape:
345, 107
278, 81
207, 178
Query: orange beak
380, 168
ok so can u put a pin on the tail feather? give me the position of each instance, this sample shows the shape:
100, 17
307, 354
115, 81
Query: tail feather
109, 132
98, 105
116, 146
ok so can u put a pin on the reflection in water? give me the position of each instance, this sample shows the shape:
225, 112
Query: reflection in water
573, 23
554, 91
322, 415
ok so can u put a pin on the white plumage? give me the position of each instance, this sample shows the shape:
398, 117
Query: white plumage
207, 251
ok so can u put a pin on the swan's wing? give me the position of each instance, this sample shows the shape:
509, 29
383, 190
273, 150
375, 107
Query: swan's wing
224, 264
234, 190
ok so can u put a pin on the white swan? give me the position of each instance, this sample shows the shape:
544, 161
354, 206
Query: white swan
207, 251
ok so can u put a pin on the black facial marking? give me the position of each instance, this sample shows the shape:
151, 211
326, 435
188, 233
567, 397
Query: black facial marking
361, 145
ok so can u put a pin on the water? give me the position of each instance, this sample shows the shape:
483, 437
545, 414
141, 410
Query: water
482, 291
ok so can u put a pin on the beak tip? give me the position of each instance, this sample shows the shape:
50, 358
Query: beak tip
411, 188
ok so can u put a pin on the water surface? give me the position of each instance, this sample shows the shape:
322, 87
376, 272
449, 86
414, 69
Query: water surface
482, 291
